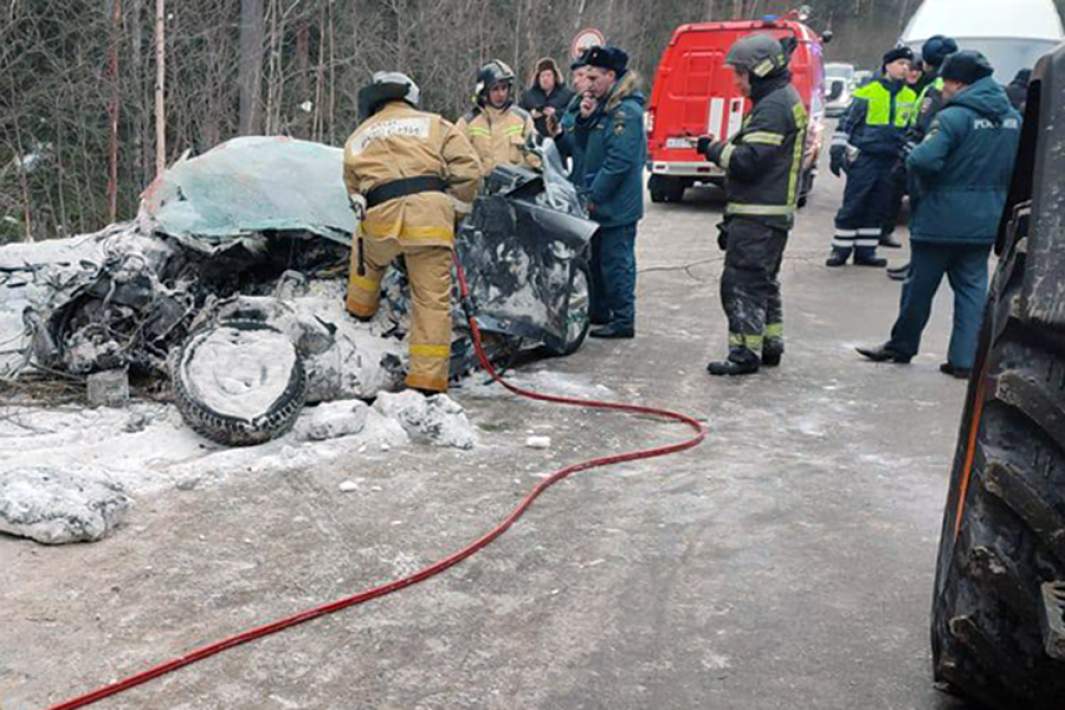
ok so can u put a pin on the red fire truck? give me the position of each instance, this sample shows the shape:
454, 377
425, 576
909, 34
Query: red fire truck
693, 95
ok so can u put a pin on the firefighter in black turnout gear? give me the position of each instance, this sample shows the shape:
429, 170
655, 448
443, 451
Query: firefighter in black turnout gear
762, 164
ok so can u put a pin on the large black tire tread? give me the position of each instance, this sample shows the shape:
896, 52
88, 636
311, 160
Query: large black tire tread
987, 642
232, 431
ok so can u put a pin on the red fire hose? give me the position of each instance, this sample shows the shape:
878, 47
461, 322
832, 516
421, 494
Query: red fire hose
437, 567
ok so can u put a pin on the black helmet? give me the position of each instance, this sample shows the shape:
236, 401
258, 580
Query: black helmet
761, 55
492, 73
387, 86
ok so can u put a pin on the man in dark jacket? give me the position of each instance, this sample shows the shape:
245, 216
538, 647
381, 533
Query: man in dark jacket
962, 170
929, 100
866, 147
609, 148
1018, 89
547, 94
762, 164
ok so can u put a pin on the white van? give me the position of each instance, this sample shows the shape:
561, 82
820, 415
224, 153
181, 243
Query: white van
1012, 34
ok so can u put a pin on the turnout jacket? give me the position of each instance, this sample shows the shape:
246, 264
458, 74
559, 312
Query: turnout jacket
499, 135
401, 142
763, 161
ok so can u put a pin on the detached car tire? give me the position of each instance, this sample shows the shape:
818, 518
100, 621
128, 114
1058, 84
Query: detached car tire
239, 382
997, 615
577, 312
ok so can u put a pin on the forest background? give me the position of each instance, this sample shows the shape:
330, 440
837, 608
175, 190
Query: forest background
78, 78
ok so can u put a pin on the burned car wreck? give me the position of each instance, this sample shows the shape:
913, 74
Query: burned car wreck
230, 284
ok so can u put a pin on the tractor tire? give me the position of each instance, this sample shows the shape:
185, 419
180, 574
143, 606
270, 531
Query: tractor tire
577, 313
257, 398
1002, 544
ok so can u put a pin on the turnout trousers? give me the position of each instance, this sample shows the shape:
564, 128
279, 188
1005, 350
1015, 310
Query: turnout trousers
750, 289
429, 272
868, 198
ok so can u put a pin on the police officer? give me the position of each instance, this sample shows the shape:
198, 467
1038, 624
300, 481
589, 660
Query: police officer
406, 172
496, 127
866, 146
762, 164
929, 100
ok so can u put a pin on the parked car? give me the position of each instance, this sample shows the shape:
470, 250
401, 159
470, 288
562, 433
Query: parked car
693, 95
839, 85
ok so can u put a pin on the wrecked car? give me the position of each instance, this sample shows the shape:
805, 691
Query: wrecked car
230, 283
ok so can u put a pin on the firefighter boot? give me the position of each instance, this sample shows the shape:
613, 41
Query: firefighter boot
741, 361
772, 352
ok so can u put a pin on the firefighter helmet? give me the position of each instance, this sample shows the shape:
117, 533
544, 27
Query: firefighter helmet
759, 54
492, 73
387, 86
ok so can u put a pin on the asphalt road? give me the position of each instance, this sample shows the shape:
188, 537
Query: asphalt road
786, 563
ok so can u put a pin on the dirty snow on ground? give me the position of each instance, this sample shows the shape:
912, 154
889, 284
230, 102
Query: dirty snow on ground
55, 506
67, 469
479, 386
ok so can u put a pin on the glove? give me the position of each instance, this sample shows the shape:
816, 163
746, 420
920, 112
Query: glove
722, 236
906, 149
703, 143
837, 159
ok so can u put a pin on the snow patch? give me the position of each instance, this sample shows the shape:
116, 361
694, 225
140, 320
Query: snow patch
54, 506
438, 419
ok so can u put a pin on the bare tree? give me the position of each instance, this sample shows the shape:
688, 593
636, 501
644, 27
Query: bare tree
160, 82
250, 67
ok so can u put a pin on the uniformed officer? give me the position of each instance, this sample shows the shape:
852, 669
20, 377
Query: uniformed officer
929, 100
497, 129
762, 164
407, 171
866, 146
605, 138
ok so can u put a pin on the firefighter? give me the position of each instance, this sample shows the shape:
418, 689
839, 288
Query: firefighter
762, 164
407, 173
498, 130
929, 100
866, 146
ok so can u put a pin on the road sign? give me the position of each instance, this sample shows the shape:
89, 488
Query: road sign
588, 37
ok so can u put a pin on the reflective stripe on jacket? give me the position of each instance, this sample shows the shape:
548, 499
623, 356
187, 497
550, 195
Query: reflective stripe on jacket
763, 161
499, 136
401, 142
877, 118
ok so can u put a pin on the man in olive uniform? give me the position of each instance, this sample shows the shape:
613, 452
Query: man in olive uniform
497, 129
762, 164
407, 172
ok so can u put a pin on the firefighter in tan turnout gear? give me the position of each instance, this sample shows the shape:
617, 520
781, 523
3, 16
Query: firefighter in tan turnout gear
407, 173
496, 127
